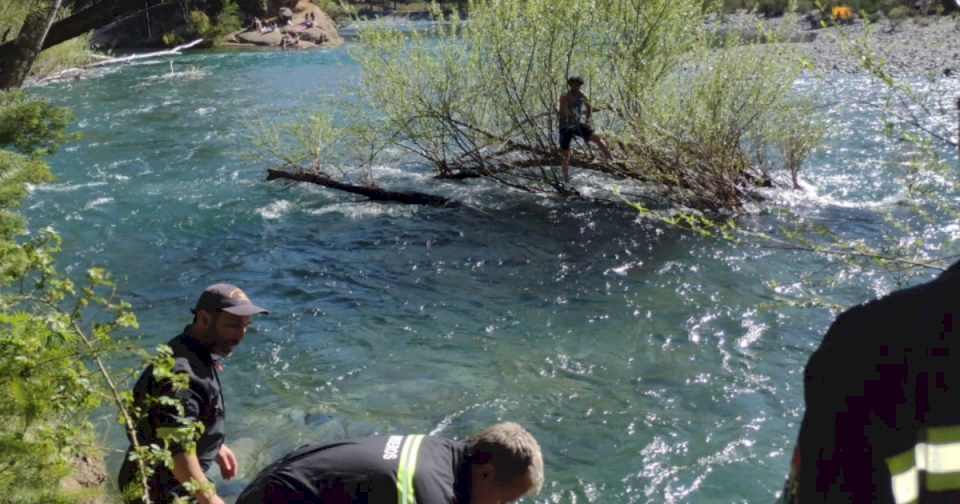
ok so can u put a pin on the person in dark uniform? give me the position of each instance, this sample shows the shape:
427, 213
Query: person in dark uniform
498, 465
882, 395
220, 321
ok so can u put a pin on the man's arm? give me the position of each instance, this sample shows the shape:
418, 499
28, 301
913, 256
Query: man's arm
186, 468
193, 399
562, 107
589, 111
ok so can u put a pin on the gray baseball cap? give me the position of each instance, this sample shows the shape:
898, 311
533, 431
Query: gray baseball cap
227, 298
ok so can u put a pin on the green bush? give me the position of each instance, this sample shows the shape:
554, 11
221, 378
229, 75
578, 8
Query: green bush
199, 24
53, 332
338, 12
171, 39
772, 7
805, 6
47, 390
29, 130
228, 20
897, 16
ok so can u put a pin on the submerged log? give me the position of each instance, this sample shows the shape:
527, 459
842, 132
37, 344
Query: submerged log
373, 193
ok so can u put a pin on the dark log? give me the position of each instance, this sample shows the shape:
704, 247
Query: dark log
373, 193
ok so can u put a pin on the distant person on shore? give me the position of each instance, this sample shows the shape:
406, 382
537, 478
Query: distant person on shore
257, 24
882, 422
495, 466
574, 113
219, 324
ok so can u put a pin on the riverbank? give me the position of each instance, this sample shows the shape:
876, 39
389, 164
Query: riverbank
914, 46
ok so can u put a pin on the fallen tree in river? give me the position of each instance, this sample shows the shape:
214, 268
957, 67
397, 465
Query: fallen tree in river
371, 192
694, 117
108, 60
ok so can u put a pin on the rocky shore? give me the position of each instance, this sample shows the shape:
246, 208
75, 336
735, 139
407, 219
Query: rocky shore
916, 46
323, 32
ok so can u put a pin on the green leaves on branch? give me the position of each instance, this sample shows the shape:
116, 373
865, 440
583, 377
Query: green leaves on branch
29, 130
200, 25
51, 334
692, 113
54, 332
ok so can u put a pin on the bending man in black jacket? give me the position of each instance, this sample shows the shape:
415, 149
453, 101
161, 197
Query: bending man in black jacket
496, 466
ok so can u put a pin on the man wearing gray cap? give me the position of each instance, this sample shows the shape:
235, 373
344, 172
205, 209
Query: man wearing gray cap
220, 321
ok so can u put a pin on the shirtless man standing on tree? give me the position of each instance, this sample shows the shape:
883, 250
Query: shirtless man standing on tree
573, 121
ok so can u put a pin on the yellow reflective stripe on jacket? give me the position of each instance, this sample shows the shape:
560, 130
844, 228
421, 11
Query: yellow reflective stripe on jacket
406, 469
935, 463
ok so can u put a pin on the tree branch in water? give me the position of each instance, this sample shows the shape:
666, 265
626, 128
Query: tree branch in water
371, 192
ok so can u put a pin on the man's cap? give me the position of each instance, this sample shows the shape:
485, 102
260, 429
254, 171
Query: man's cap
575, 79
227, 298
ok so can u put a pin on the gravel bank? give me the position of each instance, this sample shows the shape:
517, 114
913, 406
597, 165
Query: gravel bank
910, 49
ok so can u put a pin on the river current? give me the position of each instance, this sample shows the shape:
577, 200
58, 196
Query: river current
636, 354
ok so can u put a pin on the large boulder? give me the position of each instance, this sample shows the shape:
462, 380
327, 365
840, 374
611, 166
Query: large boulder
274, 6
284, 16
254, 37
323, 32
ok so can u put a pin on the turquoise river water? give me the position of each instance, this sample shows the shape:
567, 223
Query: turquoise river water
636, 354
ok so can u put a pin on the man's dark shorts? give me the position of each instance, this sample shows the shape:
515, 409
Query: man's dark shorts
566, 135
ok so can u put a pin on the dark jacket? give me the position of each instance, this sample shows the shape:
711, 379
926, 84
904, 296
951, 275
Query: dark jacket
882, 394
201, 401
412, 469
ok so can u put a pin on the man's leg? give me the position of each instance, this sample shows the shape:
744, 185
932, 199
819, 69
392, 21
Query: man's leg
566, 137
603, 145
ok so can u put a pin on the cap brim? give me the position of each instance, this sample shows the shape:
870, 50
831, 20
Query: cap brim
246, 310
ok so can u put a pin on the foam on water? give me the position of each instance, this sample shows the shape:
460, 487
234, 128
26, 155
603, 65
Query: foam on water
366, 210
64, 187
275, 210
97, 202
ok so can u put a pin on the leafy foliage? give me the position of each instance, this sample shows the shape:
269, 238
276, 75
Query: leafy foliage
692, 112
54, 332
914, 238
199, 25
340, 12
29, 129
48, 336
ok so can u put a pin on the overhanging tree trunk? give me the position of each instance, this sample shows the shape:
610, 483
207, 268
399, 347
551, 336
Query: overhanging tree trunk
84, 20
374, 193
16, 60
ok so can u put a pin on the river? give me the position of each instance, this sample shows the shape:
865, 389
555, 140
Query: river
636, 354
